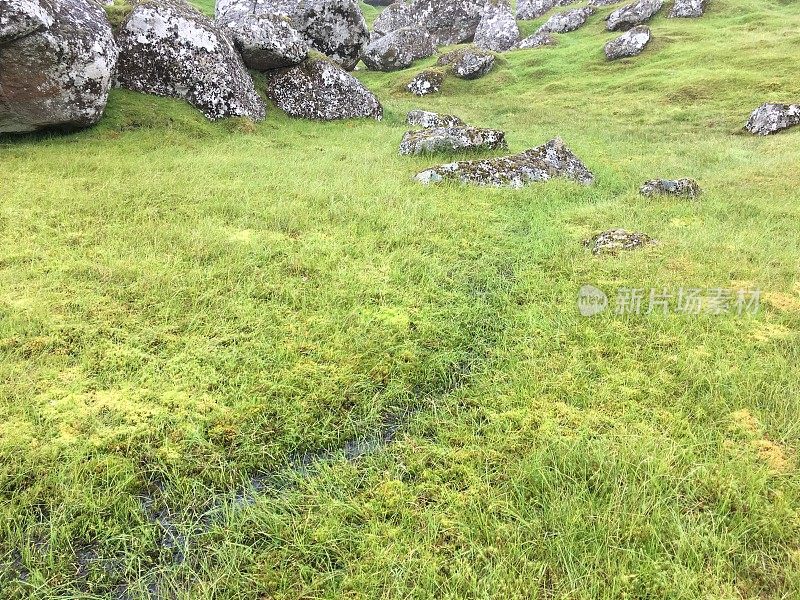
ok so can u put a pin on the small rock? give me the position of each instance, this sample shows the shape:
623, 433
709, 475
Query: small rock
533, 9
771, 118
468, 63
550, 160
537, 40
614, 240
451, 139
398, 49
498, 28
687, 9
566, 21
426, 119
427, 82
633, 14
630, 43
319, 89
687, 188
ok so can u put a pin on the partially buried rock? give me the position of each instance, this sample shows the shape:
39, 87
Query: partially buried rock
686, 188
57, 63
566, 21
633, 14
450, 139
537, 40
544, 163
498, 28
170, 49
321, 90
427, 82
614, 240
770, 118
424, 118
468, 63
630, 43
398, 49
687, 9
533, 9
265, 40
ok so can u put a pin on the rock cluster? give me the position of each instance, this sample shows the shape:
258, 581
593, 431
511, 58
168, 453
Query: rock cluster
450, 139
770, 118
686, 188
630, 43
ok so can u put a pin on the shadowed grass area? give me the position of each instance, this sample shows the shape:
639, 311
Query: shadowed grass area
198, 321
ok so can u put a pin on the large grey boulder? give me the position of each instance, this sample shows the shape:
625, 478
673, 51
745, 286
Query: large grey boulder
398, 49
57, 61
334, 27
321, 90
448, 21
451, 139
687, 9
685, 188
533, 9
544, 163
632, 15
170, 49
427, 119
393, 17
265, 40
630, 43
427, 82
567, 21
537, 40
770, 118
498, 28
468, 63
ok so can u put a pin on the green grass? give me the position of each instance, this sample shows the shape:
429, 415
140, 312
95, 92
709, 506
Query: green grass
187, 305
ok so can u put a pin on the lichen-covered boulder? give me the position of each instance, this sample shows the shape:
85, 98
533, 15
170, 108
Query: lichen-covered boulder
533, 9
632, 15
687, 9
265, 40
393, 17
334, 27
424, 118
498, 28
544, 163
427, 82
57, 62
321, 90
686, 188
630, 43
398, 49
451, 139
614, 240
770, 118
448, 21
567, 21
170, 49
468, 63
537, 40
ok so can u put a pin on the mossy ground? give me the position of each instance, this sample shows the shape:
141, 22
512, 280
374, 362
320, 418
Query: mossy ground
188, 308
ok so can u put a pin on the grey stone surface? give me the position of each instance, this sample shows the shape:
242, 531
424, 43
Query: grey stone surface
686, 188
448, 21
468, 63
393, 17
498, 28
533, 9
567, 21
687, 9
451, 139
630, 43
398, 49
424, 118
537, 40
632, 15
615, 240
770, 118
336, 28
427, 82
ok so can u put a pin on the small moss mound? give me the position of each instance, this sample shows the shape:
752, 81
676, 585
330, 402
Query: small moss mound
118, 12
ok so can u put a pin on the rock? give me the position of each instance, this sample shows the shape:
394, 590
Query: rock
378, 2
614, 240
687, 9
265, 40
334, 27
553, 159
537, 40
498, 28
633, 14
448, 21
770, 118
468, 63
427, 82
57, 64
533, 9
319, 89
392, 18
600, 3
450, 139
565, 22
629, 43
170, 49
398, 49
426, 119
686, 188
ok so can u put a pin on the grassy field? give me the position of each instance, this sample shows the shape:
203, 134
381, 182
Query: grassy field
259, 361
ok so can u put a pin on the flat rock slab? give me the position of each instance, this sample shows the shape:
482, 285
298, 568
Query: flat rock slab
567, 21
685, 188
616, 240
427, 82
770, 118
543, 163
537, 40
632, 15
630, 43
687, 9
452, 139
424, 118
468, 63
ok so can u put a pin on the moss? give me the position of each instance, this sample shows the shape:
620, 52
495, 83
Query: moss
118, 12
